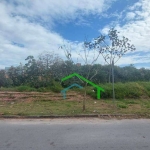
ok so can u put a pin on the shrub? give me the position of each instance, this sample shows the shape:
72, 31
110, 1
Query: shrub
56, 87
43, 89
124, 90
92, 92
25, 89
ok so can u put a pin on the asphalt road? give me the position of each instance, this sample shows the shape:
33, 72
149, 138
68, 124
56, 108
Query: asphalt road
75, 134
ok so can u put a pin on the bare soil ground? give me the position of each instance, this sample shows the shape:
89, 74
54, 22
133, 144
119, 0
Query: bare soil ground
31, 96
50, 103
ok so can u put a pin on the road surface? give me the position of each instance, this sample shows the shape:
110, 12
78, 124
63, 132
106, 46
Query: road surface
75, 134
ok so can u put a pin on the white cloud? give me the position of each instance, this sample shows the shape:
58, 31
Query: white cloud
33, 37
57, 9
30, 24
133, 59
137, 29
26, 26
130, 15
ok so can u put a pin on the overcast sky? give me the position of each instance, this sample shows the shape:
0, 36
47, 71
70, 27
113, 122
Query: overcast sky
30, 27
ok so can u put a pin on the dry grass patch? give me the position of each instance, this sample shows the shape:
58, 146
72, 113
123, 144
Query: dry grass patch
49, 103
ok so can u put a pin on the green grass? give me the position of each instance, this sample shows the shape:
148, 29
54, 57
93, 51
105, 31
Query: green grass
63, 107
25, 89
131, 98
128, 90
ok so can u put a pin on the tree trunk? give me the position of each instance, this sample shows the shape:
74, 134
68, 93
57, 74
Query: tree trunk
109, 73
84, 100
113, 80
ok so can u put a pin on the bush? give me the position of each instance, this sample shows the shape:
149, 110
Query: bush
124, 90
107, 90
7, 89
146, 86
25, 89
92, 92
56, 87
43, 89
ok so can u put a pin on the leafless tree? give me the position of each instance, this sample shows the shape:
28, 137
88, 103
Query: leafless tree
84, 53
113, 51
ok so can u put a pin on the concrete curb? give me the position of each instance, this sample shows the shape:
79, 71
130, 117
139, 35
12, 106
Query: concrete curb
103, 116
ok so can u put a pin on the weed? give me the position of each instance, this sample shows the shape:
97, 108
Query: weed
131, 102
122, 106
68, 105
25, 89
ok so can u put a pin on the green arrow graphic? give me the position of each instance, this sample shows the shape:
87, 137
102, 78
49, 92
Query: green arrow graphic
84, 79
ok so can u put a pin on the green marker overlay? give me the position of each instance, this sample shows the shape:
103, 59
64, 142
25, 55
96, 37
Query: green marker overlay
66, 89
99, 89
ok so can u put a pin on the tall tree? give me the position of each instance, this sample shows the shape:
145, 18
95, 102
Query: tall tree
5, 81
49, 64
31, 71
112, 50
